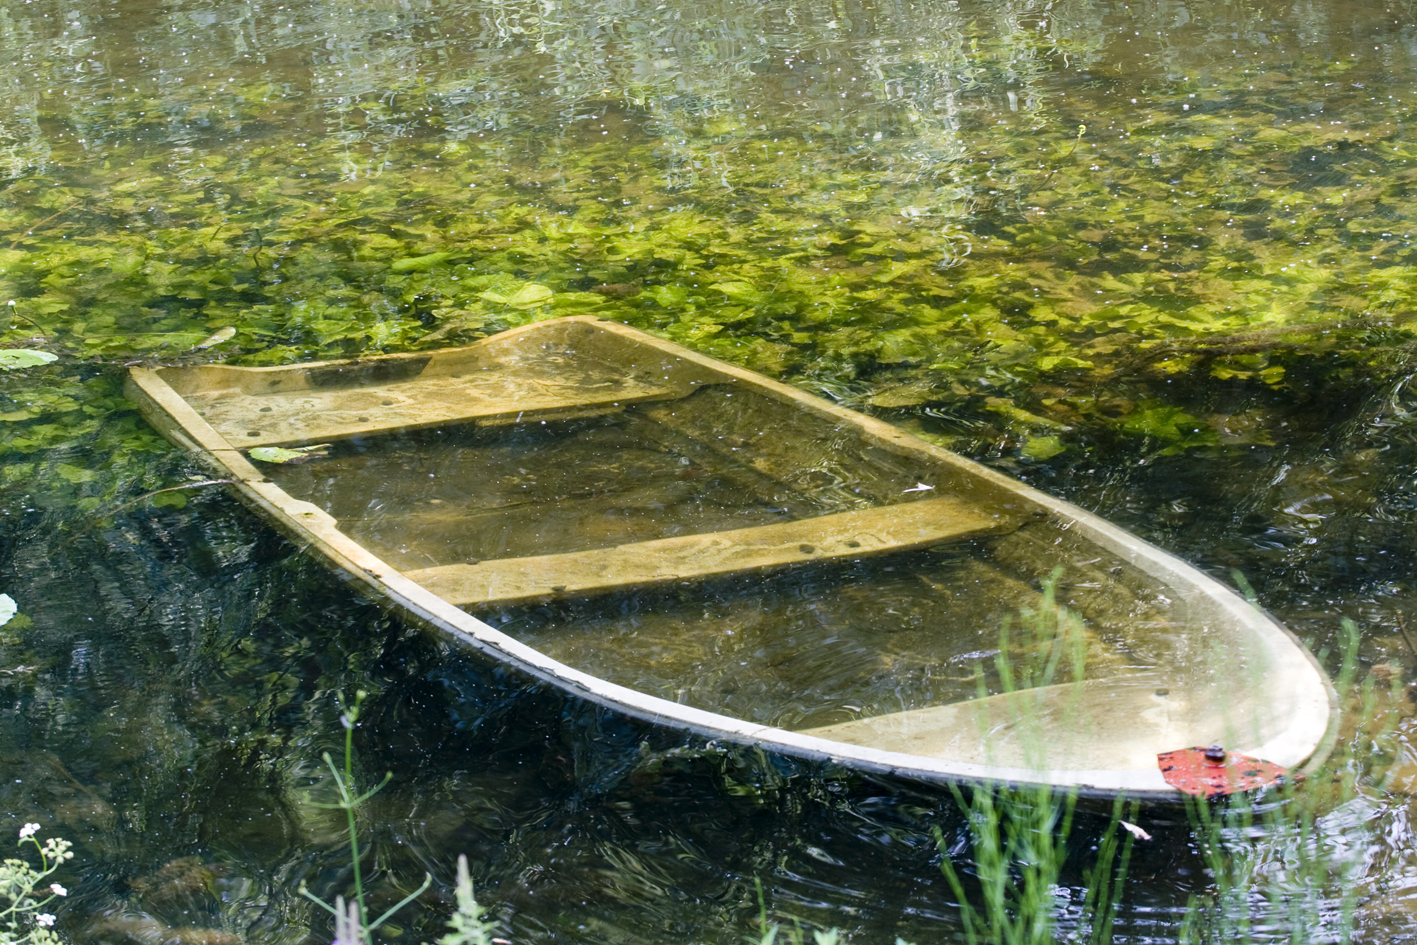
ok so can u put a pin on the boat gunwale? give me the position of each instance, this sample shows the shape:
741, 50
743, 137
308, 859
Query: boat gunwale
310, 526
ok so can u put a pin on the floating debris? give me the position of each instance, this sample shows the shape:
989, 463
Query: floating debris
290, 457
1213, 772
217, 337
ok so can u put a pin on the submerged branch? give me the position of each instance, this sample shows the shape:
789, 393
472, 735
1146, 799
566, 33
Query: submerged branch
58, 213
1243, 342
1259, 341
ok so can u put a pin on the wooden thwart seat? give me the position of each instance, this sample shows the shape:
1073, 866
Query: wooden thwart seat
296, 410
893, 528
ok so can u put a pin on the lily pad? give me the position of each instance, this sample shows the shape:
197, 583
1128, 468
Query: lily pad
13, 358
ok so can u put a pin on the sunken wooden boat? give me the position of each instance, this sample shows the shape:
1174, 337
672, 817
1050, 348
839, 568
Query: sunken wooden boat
696, 545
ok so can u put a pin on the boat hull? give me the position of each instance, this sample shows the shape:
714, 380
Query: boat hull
867, 491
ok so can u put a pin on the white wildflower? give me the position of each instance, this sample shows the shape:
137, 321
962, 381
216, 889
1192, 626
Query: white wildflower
58, 890
44, 919
58, 850
28, 830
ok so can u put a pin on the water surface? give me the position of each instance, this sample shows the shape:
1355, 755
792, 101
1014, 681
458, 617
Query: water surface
1153, 257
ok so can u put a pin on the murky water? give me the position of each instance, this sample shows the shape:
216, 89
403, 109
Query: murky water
854, 196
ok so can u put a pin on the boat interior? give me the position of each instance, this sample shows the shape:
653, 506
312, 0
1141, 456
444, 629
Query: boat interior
684, 532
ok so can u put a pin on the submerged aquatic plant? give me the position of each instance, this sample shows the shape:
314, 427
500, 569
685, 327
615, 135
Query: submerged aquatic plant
938, 267
352, 919
14, 358
468, 925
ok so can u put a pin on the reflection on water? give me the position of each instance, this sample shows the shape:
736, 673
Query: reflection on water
171, 168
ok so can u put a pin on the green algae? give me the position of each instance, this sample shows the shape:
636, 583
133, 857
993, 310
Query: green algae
1196, 246
1005, 241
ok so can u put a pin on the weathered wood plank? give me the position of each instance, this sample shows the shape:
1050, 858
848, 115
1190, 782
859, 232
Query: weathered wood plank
855, 534
1120, 722
287, 418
